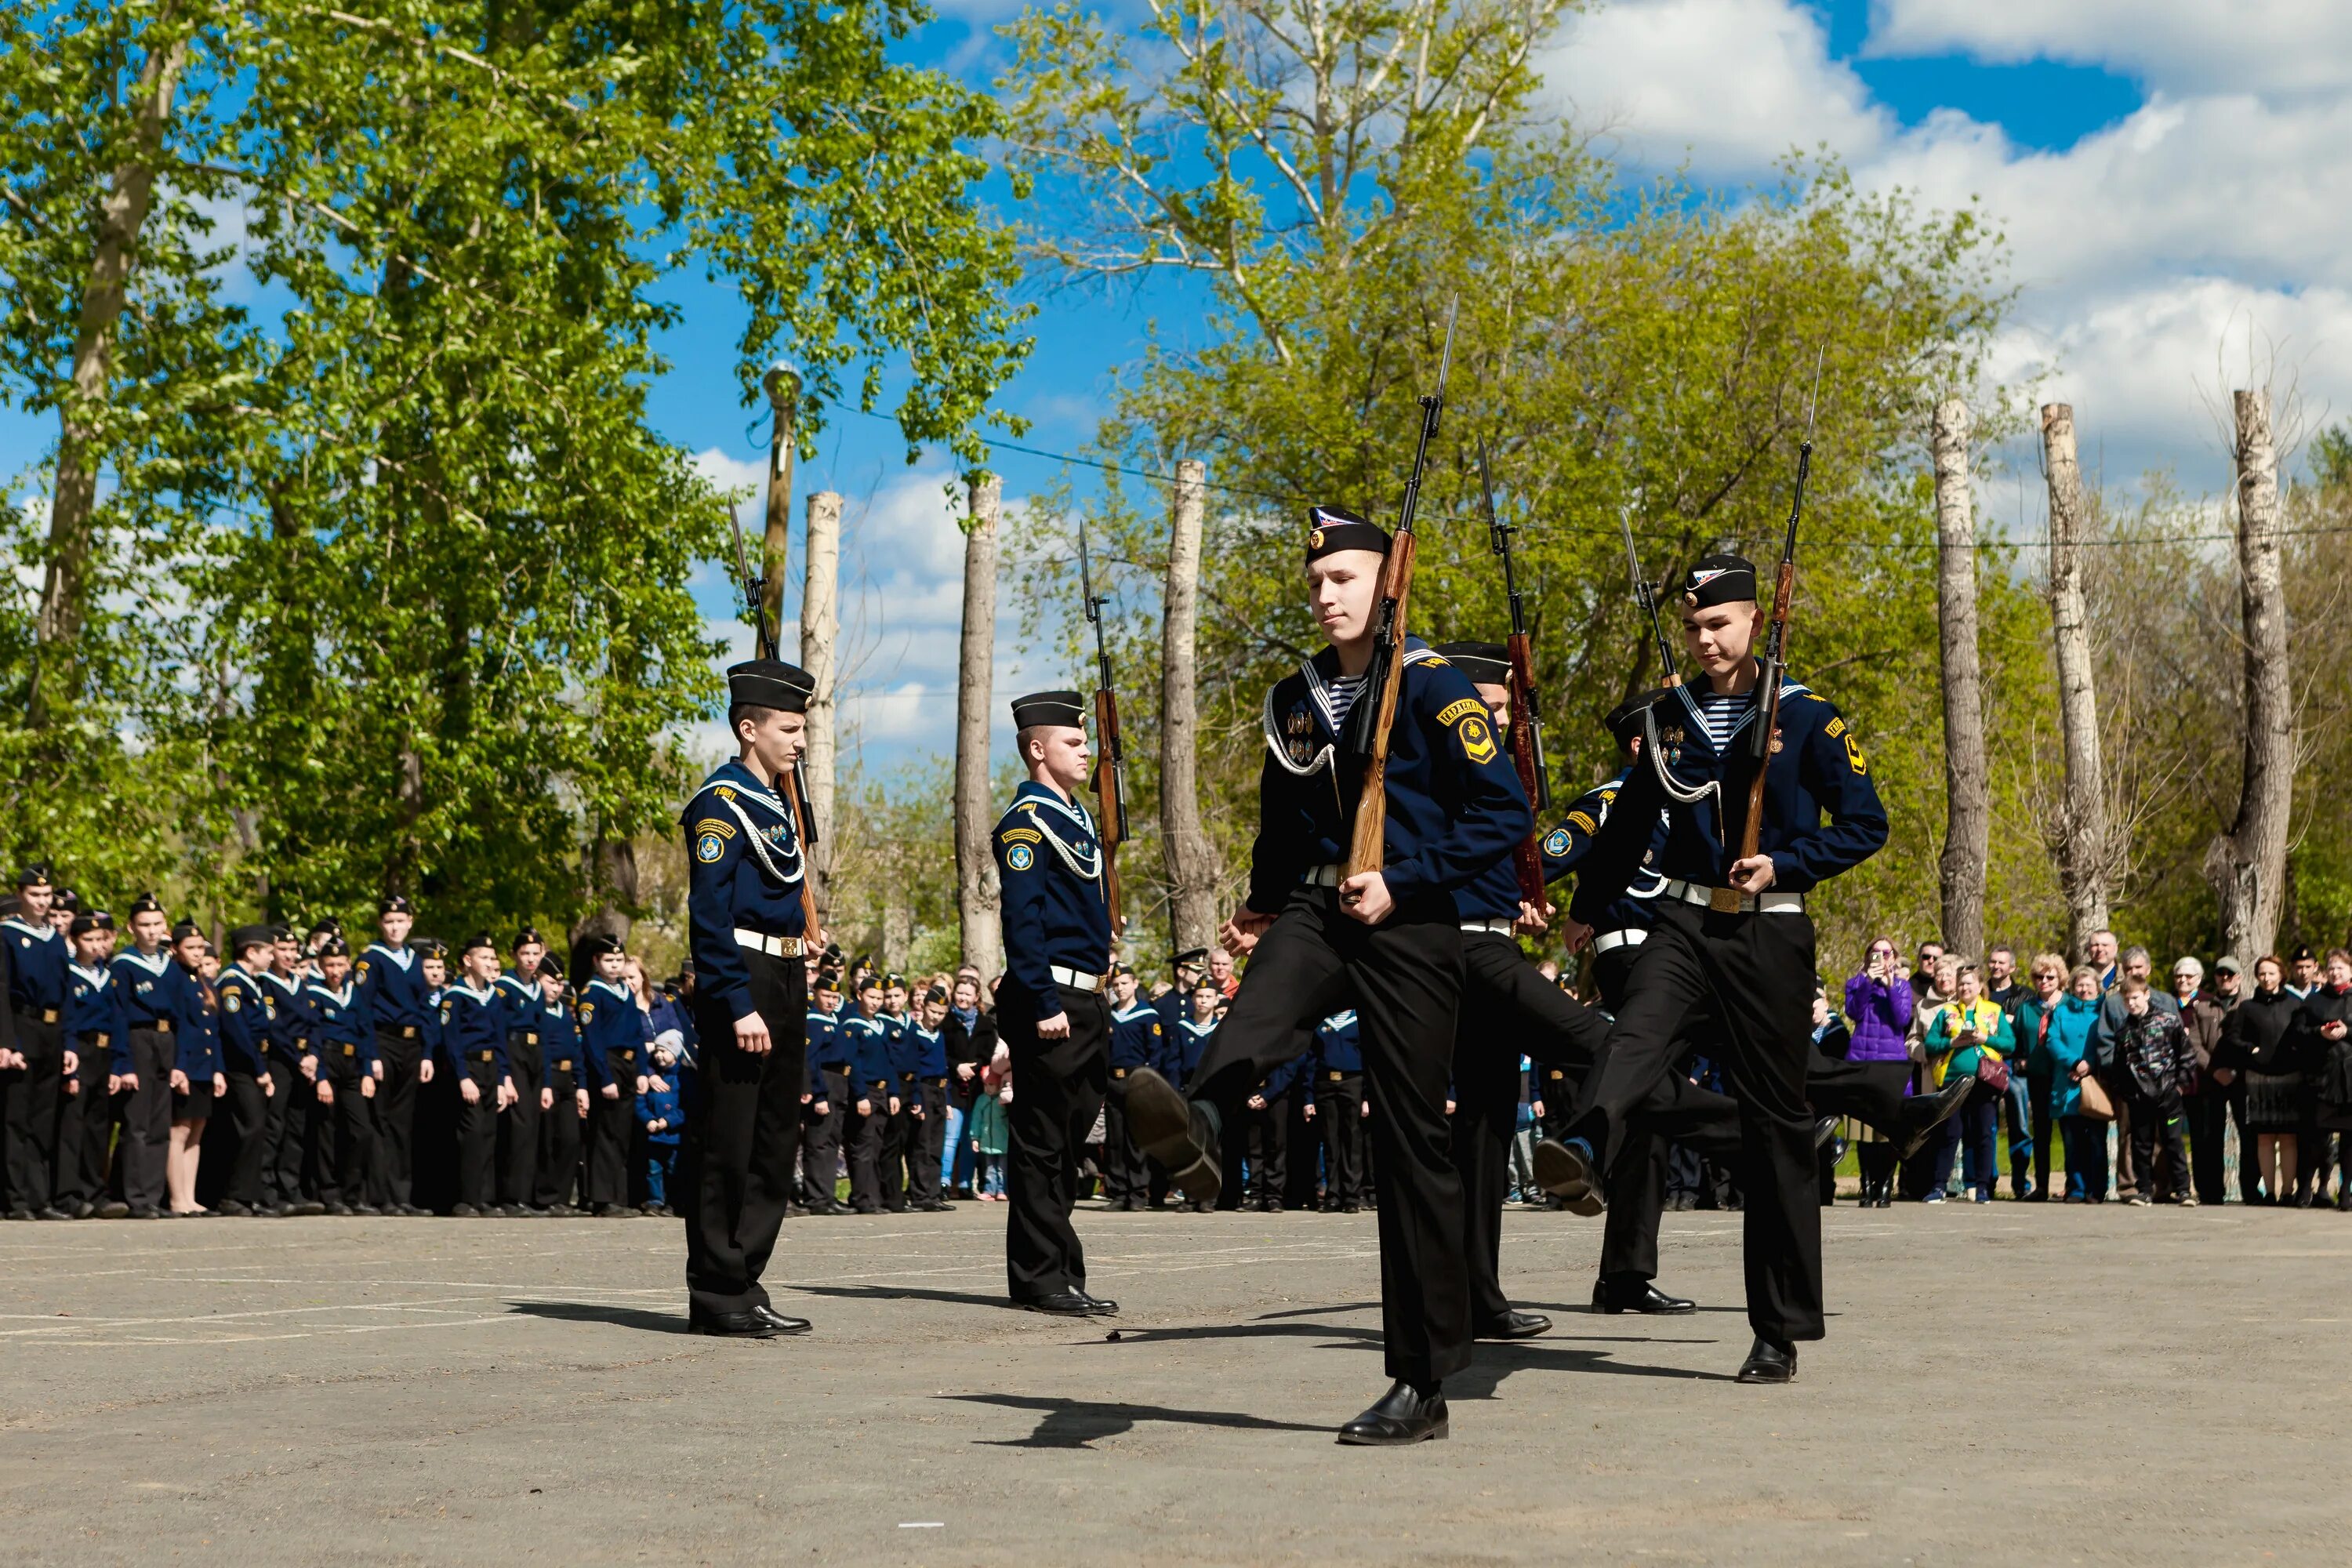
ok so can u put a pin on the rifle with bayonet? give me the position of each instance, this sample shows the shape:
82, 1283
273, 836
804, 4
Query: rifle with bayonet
1776, 636
792, 785
1526, 721
1110, 761
1376, 708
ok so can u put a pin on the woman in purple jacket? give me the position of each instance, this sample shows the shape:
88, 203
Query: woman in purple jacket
1878, 1002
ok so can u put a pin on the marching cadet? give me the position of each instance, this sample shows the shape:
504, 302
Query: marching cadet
393, 986
612, 1040
1340, 1106
824, 1104
32, 1095
1050, 1010
1386, 940
157, 1000
98, 1033
563, 1095
293, 1104
1731, 934
343, 1038
1135, 1040
872, 1041
748, 909
473, 1050
248, 1025
928, 1097
519, 1138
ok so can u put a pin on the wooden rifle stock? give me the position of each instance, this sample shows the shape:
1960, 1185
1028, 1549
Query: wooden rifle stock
1107, 812
1368, 847
1528, 857
811, 930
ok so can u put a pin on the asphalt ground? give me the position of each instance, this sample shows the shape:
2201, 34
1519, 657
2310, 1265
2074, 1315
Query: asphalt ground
2001, 1383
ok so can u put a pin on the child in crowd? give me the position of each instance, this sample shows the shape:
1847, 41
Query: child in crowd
661, 1114
988, 1140
2157, 1066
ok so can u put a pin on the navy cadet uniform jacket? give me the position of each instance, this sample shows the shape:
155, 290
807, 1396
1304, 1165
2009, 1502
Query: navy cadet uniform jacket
559, 1038
393, 985
248, 1022
613, 1034
1815, 770
1339, 1048
97, 1029
1566, 846
826, 1048
1050, 861
1454, 805
200, 1047
518, 998
1135, 1038
288, 1023
342, 1032
473, 1030
922, 1052
744, 872
156, 992
1190, 1042
871, 1043
36, 969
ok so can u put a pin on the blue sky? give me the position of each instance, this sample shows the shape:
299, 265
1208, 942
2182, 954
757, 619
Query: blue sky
2171, 175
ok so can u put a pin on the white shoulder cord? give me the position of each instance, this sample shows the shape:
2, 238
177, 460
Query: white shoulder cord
1666, 779
760, 845
1087, 870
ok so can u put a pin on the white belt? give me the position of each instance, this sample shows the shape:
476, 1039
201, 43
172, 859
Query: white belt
1610, 940
773, 946
1324, 876
1499, 927
1074, 979
1729, 901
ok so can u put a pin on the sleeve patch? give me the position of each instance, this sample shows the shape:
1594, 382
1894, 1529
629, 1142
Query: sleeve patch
1477, 737
1853, 755
1556, 841
708, 847
1020, 856
587, 1011
1584, 821
234, 1001
1457, 708
1022, 835
713, 824
1834, 728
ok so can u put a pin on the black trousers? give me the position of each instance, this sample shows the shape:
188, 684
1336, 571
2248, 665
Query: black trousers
556, 1177
146, 1113
1405, 979
612, 1133
519, 1128
1269, 1151
248, 1117
85, 1133
1057, 1091
1755, 974
2158, 1120
478, 1133
345, 1148
1122, 1162
2209, 1123
395, 1112
285, 1129
821, 1135
735, 1158
1339, 1108
28, 1112
927, 1143
901, 1136
862, 1131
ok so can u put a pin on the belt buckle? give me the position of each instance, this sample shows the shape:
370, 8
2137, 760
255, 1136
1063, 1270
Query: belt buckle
48, 1014
488, 1056
1723, 901
1118, 1072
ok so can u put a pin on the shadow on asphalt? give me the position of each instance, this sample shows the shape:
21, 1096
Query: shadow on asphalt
1497, 1362
644, 1320
913, 1293
1076, 1422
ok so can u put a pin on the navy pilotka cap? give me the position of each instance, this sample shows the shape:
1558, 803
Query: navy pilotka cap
1718, 580
1624, 721
1485, 663
770, 683
35, 875
1067, 709
1331, 529
247, 937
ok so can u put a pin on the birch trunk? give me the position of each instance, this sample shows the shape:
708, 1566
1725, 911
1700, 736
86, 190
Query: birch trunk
121, 216
977, 893
784, 388
2248, 863
2081, 839
1190, 859
1968, 807
820, 634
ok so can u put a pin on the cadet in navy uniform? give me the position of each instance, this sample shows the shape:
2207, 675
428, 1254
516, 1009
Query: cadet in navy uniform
1387, 940
392, 983
929, 1054
613, 1037
473, 1052
824, 1102
518, 1004
1269, 1133
98, 1034
343, 1037
1135, 1040
32, 1095
1731, 933
1050, 1010
748, 909
249, 1023
157, 999
562, 1094
902, 1131
293, 1103
1339, 1068
869, 1036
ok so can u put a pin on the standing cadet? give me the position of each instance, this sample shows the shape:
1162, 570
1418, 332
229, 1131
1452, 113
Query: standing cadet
1387, 939
1731, 932
473, 1048
1338, 1068
902, 1131
869, 1037
1050, 1010
156, 999
98, 1034
1269, 1132
1135, 1040
748, 909
612, 1040
392, 984
32, 1095
518, 1006
826, 1104
248, 1025
343, 1038
563, 1095
929, 1090
293, 1077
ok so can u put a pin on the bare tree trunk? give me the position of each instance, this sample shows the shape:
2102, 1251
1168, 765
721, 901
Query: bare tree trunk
897, 925
613, 883
122, 214
1968, 807
2248, 863
2082, 833
977, 894
1190, 859
783, 387
820, 632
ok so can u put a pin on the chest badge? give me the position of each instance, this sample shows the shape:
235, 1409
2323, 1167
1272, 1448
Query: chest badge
1776, 742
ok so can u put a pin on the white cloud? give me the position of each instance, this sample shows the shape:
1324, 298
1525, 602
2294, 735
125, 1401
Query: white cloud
1733, 84
2275, 45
